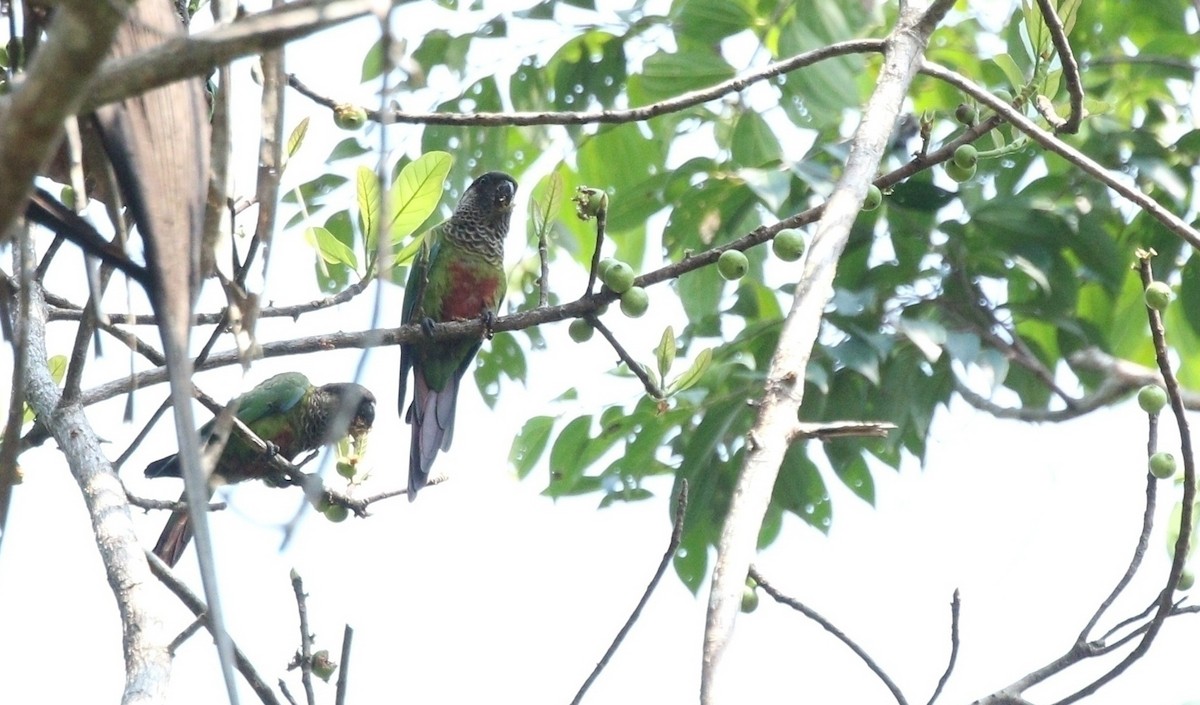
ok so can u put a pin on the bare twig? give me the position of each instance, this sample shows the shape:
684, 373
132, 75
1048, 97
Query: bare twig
1165, 599
197, 607
829, 627
645, 112
634, 366
344, 674
1058, 35
305, 639
842, 429
673, 545
955, 604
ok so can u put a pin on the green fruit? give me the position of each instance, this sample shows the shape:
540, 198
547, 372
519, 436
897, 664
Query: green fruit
580, 330
347, 470
749, 599
322, 666
1152, 398
337, 513
966, 156
873, 199
635, 302
965, 113
1186, 580
619, 277
958, 173
732, 265
788, 245
1162, 465
1158, 295
67, 196
349, 117
605, 265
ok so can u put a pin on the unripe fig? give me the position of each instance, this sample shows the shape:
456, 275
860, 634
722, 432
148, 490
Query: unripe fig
873, 199
1152, 398
619, 277
788, 245
732, 265
580, 330
1162, 465
635, 302
349, 116
1158, 295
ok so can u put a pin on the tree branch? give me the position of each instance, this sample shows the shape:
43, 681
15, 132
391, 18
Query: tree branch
785, 378
673, 545
147, 663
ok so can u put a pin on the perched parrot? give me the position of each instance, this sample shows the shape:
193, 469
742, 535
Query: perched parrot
458, 275
286, 411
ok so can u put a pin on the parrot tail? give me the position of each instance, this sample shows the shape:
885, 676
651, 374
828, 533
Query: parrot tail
175, 537
432, 419
164, 467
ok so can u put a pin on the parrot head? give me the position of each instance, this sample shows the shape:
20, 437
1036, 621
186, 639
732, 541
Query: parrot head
356, 397
489, 198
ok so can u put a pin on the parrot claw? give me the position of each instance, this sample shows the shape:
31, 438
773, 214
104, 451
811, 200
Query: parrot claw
489, 324
272, 449
427, 324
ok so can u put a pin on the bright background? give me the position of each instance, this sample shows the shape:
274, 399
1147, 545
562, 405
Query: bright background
483, 590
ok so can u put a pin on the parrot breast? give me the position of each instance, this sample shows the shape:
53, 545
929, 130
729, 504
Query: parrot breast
472, 291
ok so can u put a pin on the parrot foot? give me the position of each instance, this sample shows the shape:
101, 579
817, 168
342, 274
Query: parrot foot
489, 324
427, 324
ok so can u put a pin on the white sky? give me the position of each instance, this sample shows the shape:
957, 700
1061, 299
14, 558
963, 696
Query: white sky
485, 591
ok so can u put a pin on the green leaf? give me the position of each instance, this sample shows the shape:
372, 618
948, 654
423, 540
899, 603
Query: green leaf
545, 205
368, 209
297, 138
348, 148
665, 352
709, 21
372, 63
566, 456
58, 367
416, 192
753, 143
692, 374
530, 443
330, 249
666, 75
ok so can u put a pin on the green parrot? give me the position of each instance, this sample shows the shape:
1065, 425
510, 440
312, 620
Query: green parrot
457, 275
289, 414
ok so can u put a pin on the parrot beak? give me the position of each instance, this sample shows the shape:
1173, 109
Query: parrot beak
505, 192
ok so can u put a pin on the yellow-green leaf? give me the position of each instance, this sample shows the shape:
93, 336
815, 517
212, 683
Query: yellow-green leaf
297, 138
665, 352
692, 374
368, 208
416, 192
331, 249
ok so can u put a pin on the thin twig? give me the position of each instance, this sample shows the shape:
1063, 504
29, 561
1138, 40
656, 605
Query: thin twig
645, 112
955, 604
681, 501
829, 627
344, 674
1165, 603
187, 633
197, 607
305, 639
1139, 551
1058, 35
634, 367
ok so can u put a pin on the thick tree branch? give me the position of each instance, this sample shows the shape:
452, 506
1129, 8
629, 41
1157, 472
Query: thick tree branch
202, 52
31, 117
785, 378
147, 663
